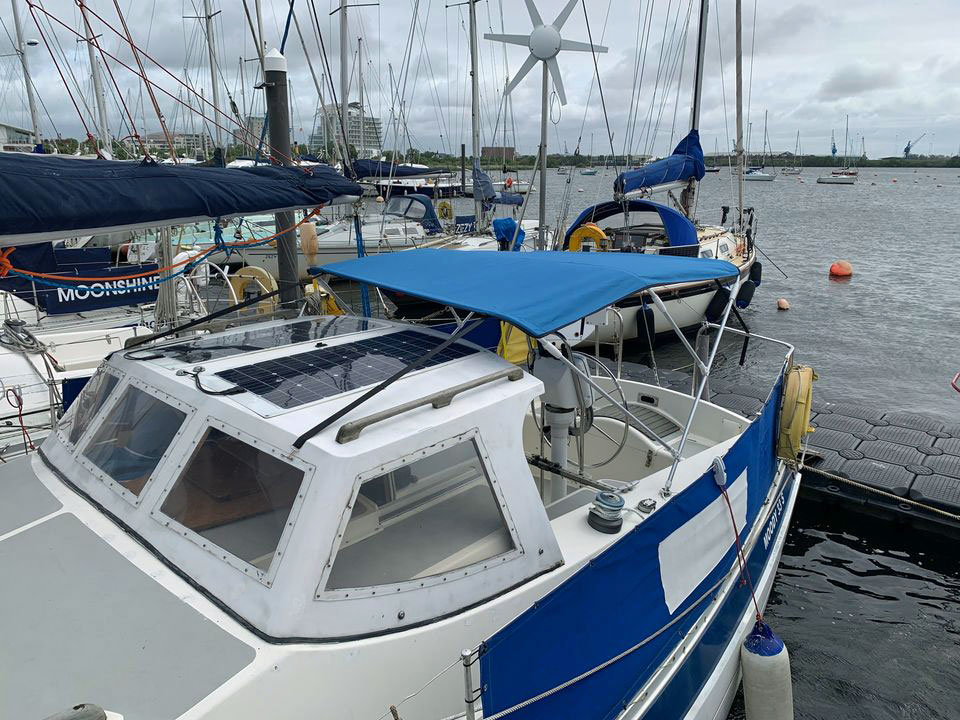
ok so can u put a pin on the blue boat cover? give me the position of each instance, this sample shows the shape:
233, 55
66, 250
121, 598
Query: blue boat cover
538, 292
483, 185
616, 603
504, 230
686, 162
51, 197
377, 169
679, 229
416, 207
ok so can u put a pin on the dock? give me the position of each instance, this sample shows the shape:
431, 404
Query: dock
898, 466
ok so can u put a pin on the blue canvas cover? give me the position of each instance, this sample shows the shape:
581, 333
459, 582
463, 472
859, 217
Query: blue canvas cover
686, 162
679, 229
504, 229
483, 185
416, 207
378, 169
52, 197
617, 600
538, 292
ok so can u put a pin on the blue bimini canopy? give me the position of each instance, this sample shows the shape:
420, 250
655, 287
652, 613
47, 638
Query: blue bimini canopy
538, 292
686, 162
679, 229
377, 169
52, 197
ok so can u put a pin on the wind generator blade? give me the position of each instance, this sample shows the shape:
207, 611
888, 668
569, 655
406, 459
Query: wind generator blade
521, 73
534, 13
564, 14
581, 46
557, 81
511, 39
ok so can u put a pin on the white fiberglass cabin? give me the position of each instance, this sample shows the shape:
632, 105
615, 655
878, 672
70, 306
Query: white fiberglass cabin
315, 517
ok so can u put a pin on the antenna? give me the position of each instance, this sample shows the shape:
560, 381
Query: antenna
544, 43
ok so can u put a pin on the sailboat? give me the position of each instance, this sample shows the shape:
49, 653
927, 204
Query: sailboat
715, 168
844, 175
794, 169
756, 174
590, 170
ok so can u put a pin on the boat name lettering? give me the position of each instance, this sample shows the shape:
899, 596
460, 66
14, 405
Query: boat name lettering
101, 289
774, 521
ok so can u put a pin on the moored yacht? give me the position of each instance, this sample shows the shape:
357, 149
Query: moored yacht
349, 516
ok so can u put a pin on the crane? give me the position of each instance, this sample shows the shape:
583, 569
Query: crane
911, 143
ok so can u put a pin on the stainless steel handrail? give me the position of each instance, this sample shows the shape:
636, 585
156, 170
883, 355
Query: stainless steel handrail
351, 430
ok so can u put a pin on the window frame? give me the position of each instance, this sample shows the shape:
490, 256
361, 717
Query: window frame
267, 577
472, 435
109, 406
64, 433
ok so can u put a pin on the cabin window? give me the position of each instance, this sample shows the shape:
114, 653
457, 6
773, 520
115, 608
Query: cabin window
88, 404
427, 517
133, 437
724, 248
707, 253
235, 495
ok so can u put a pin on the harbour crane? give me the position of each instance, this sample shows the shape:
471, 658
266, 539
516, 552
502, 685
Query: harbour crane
911, 143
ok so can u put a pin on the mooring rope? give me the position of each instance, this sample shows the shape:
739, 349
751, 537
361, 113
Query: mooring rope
877, 491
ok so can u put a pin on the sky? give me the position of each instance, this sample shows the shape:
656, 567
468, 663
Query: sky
893, 67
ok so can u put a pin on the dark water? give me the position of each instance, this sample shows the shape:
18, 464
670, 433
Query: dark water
871, 615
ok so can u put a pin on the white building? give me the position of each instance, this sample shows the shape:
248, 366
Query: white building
363, 133
187, 144
13, 138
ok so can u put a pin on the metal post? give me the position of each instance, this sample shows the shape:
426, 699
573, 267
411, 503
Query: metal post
363, 144
542, 235
463, 168
690, 193
739, 20
475, 110
275, 82
703, 352
466, 657
344, 74
103, 127
27, 81
212, 52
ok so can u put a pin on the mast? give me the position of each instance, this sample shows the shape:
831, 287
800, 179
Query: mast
475, 114
344, 75
212, 53
22, 52
102, 126
739, 51
363, 144
689, 195
542, 220
846, 134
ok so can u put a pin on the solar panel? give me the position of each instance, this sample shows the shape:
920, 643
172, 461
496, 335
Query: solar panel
244, 341
310, 376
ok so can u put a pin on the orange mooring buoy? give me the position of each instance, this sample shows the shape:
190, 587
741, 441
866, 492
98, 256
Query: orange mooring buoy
841, 268
783, 304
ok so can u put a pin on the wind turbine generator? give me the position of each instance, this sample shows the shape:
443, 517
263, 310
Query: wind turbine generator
544, 43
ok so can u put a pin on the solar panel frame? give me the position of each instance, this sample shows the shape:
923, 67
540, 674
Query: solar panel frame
296, 380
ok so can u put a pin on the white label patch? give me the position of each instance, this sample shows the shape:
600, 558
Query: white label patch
693, 550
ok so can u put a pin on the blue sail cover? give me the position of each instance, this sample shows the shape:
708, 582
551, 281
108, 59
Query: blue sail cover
52, 197
538, 292
376, 169
679, 229
483, 185
686, 162
617, 601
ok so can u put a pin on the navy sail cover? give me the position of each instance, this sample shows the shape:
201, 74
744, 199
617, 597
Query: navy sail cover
377, 169
538, 292
685, 163
52, 197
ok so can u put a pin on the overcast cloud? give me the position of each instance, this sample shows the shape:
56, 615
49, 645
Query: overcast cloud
893, 67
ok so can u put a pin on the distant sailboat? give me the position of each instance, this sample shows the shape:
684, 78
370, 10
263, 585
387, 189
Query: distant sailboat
794, 169
589, 170
716, 155
844, 175
757, 173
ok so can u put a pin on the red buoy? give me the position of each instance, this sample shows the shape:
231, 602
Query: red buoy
841, 268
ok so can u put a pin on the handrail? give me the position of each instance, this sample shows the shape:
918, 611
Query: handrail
351, 430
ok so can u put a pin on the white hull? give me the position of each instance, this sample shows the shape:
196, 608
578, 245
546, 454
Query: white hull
837, 180
759, 177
